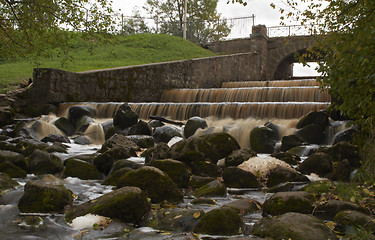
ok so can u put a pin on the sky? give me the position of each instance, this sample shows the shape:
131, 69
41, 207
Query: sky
264, 15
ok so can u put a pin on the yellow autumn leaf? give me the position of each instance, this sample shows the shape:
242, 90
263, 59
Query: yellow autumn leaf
352, 199
196, 214
166, 233
331, 225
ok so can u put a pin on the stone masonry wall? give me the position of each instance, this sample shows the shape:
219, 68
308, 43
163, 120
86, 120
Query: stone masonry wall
143, 83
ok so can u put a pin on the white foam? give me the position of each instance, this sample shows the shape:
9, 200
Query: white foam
262, 165
88, 221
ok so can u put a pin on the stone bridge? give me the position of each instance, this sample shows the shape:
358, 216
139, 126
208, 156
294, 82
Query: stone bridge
277, 53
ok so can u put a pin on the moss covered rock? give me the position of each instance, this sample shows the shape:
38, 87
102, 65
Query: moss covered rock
313, 134
115, 176
64, 125
6, 183
263, 140
14, 158
199, 181
238, 178
344, 150
129, 204
176, 170
319, 163
320, 118
154, 182
212, 189
328, 210
27, 146
41, 162
205, 168
140, 128
193, 124
245, 206
291, 141
104, 161
81, 169
40, 197
350, 219
281, 174
143, 141
294, 226
12, 170
287, 157
283, 202
125, 117
239, 156
221, 221
166, 133
159, 151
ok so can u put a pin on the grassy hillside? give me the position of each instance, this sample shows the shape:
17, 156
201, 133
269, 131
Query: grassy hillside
125, 51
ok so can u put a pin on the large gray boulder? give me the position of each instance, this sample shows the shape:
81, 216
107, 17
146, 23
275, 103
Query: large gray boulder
238, 178
176, 170
319, 163
125, 117
320, 118
41, 162
193, 124
166, 133
239, 156
263, 140
294, 226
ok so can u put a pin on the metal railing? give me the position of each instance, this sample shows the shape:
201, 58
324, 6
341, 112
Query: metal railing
291, 30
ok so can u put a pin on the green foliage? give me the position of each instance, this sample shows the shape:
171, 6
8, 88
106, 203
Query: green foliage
203, 21
95, 54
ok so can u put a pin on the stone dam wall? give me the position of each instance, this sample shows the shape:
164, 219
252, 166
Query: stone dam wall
143, 83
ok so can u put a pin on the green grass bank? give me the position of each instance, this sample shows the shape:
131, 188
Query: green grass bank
120, 51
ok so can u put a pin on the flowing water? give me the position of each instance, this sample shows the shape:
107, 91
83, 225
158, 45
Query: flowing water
236, 108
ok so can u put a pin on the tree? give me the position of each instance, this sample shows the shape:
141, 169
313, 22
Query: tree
203, 21
135, 24
38, 26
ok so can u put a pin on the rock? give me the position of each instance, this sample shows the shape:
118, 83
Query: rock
78, 111
142, 141
344, 150
212, 189
294, 226
155, 183
200, 201
105, 161
344, 136
159, 151
353, 219
287, 157
263, 140
238, 178
64, 125
274, 128
82, 140
166, 133
12, 170
82, 170
211, 147
318, 118
129, 204
245, 206
82, 124
107, 125
14, 158
55, 148
55, 138
140, 128
175, 219
283, 202
155, 123
125, 117
239, 156
119, 140
313, 134
199, 181
302, 151
291, 141
6, 183
341, 171
27, 146
6, 116
41, 162
176, 170
319, 163
113, 177
221, 221
193, 124
40, 197
205, 168
281, 174
328, 210
125, 163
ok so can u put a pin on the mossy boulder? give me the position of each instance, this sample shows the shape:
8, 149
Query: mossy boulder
120, 141
312, 133
78, 111
245, 206
105, 161
41, 162
193, 124
140, 128
319, 118
159, 151
142, 141
6, 183
82, 124
341, 171
205, 168
291, 141
344, 150
125, 117
175, 219
210, 147
40, 197
65, 126
238, 178
200, 201
281, 174
55, 148
113, 177
12, 170
125, 163
221, 221
27, 146
294, 226
154, 182
349, 219
329, 209
176, 170
283, 202
239, 156
319, 163
14, 158
81, 169
199, 181
166, 133
263, 140
129, 204
55, 138
215, 188
287, 157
